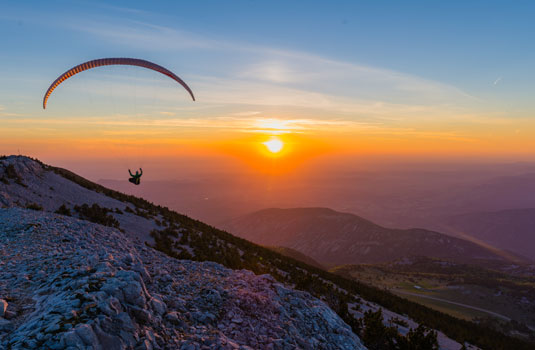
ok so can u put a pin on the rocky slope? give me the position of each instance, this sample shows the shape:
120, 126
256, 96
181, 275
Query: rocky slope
66, 283
334, 238
24, 181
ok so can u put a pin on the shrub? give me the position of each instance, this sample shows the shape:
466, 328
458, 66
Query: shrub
422, 338
11, 173
63, 210
34, 206
96, 214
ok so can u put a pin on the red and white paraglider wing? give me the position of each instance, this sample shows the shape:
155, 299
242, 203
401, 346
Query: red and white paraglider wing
109, 62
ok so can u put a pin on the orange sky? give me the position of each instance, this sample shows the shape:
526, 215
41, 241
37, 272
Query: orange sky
241, 147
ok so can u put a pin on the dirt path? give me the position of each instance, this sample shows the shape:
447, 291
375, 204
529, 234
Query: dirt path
455, 303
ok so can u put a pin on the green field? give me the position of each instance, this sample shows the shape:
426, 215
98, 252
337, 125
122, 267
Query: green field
498, 296
450, 309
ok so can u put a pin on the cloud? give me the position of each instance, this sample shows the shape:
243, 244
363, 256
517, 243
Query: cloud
128, 10
302, 70
143, 35
241, 124
276, 72
161, 127
246, 113
247, 98
250, 81
3, 113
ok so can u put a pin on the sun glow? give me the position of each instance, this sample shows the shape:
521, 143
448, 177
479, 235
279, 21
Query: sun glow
274, 145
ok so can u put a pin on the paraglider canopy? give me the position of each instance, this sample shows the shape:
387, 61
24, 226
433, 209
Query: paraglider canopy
113, 61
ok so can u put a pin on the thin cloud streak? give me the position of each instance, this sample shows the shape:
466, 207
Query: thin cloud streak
235, 93
3, 113
102, 125
284, 66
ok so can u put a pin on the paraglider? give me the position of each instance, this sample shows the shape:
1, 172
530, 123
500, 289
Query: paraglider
109, 62
135, 178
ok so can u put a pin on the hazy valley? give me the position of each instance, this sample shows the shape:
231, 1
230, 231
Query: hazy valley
404, 196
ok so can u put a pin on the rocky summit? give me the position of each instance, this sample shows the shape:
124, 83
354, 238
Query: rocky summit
70, 284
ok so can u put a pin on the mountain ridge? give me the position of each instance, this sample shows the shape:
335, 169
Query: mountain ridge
334, 238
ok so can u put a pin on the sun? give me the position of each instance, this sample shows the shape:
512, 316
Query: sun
274, 145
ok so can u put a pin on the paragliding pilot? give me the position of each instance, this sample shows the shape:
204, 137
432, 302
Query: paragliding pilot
135, 178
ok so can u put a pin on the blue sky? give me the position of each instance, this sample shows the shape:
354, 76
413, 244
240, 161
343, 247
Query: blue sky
412, 36
460, 42
434, 68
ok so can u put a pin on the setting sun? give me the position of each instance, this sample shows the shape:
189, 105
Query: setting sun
274, 145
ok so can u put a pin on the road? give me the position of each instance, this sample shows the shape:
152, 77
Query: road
454, 303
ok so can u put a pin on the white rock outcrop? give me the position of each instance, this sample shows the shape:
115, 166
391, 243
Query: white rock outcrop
71, 284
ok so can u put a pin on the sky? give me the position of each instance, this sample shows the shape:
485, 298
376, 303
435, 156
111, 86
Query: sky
347, 80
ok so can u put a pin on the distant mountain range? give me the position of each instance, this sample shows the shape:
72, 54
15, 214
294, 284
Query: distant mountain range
416, 195
512, 229
334, 238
